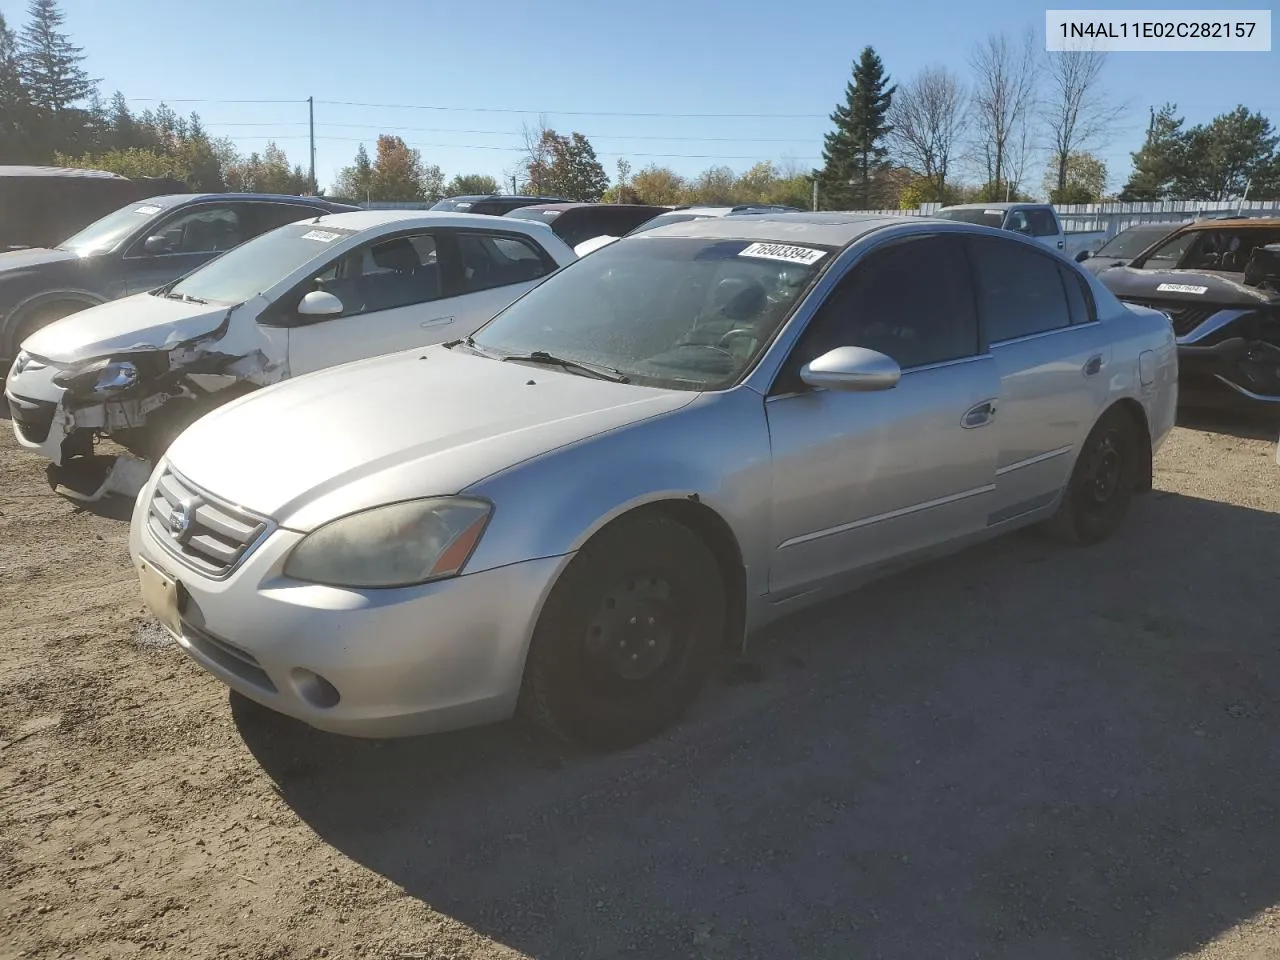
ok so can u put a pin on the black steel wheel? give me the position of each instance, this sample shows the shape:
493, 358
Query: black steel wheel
1102, 483
629, 635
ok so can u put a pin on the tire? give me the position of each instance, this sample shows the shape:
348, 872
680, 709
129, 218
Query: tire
1102, 483
628, 637
38, 319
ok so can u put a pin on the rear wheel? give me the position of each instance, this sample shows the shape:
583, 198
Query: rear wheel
1102, 483
628, 637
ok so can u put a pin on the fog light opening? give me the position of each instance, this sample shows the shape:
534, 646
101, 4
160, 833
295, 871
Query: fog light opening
314, 689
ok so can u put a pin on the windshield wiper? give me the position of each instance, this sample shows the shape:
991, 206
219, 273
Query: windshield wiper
590, 369
185, 297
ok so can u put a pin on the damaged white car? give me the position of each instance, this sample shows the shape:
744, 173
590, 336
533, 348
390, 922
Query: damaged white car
303, 297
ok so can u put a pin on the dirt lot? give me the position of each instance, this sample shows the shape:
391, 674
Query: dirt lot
1023, 751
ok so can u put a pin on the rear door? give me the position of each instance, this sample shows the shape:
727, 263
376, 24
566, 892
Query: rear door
1044, 227
1053, 363
861, 478
493, 269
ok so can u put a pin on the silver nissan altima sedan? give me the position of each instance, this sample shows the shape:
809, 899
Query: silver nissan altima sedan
573, 512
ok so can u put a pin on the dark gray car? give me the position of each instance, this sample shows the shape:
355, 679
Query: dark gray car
139, 247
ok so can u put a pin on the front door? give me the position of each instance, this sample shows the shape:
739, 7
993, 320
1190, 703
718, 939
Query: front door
188, 239
861, 478
1053, 364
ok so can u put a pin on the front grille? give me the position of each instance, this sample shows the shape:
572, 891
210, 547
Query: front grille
1185, 317
33, 418
207, 534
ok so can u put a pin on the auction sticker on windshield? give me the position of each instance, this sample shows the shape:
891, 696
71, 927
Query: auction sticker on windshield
147, 210
784, 252
1182, 288
324, 236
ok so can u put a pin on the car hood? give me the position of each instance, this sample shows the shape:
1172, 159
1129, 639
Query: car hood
33, 257
427, 422
140, 322
1183, 286
1096, 264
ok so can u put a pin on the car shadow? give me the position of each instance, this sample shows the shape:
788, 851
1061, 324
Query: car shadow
1022, 750
1251, 424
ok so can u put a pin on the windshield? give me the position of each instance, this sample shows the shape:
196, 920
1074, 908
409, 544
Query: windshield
104, 234
985, 218
665, 220
1127, 244
249, 269
533, 213
456, 204
678, 312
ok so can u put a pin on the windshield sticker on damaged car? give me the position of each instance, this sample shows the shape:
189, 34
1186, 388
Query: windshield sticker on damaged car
146, 210
1182, 288
785, 252
324, 236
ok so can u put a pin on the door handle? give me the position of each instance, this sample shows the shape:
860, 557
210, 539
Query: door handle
1059, 244
1093, 365
436, 322
980, 415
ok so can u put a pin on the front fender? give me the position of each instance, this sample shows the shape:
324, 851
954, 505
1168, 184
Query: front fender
716, 450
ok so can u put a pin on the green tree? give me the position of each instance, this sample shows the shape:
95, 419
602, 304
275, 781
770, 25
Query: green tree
566, 167
129, 162
854, 151
471, 184
56, 83
1084, 179
268, 172
1225, 155
714, 186
658, 185
1157, 163
15, 107
356, 181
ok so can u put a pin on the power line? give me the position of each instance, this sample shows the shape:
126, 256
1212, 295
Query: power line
383, 128
581, 113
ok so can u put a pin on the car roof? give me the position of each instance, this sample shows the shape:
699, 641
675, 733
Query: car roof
1251, 223
562, 207
361, 220
994, 206
501, 196
826, 229
25, 171
175, 199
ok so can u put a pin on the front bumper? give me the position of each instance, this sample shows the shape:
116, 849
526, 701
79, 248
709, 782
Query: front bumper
39, 424
404, 661
1247, 369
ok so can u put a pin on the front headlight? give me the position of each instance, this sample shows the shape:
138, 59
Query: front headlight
399, 545
99, 378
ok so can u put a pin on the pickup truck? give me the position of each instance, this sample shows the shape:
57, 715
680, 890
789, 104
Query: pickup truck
1036, 220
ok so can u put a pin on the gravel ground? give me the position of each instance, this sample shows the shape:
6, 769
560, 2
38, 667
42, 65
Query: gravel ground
1022, 751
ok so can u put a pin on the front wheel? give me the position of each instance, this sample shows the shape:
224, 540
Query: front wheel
628, 637
1102, 484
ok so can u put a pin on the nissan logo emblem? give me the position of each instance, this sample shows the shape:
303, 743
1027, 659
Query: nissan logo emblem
179, 519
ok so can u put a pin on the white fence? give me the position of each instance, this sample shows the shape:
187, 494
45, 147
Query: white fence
1108, 219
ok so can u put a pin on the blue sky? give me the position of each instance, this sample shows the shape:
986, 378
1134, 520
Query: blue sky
588, 66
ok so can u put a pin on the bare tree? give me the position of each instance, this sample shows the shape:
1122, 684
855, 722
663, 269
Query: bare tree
1004, 103
1075, 114
928, 117
537, 154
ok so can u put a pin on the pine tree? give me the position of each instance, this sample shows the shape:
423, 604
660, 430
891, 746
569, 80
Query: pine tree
1157, 163
15, 107
56, 83
355, 183
854, 152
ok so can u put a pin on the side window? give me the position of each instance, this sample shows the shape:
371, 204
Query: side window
385, 275
882, 305
1079, 301
1042, 223
1168, 255
268, 216
1020, 290
206, 229
490, 261
1017, 222
1228, 250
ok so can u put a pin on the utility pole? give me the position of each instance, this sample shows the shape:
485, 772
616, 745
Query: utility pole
311, 123
815, 194
513, 184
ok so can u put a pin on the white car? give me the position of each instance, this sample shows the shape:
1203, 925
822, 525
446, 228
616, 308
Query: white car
300, 298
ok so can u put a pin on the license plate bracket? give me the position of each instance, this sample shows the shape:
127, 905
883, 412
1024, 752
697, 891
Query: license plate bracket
162, 595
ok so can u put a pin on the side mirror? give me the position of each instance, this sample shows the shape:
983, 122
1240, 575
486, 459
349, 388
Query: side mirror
319, 303
1083, 255
852, 369
156, 244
